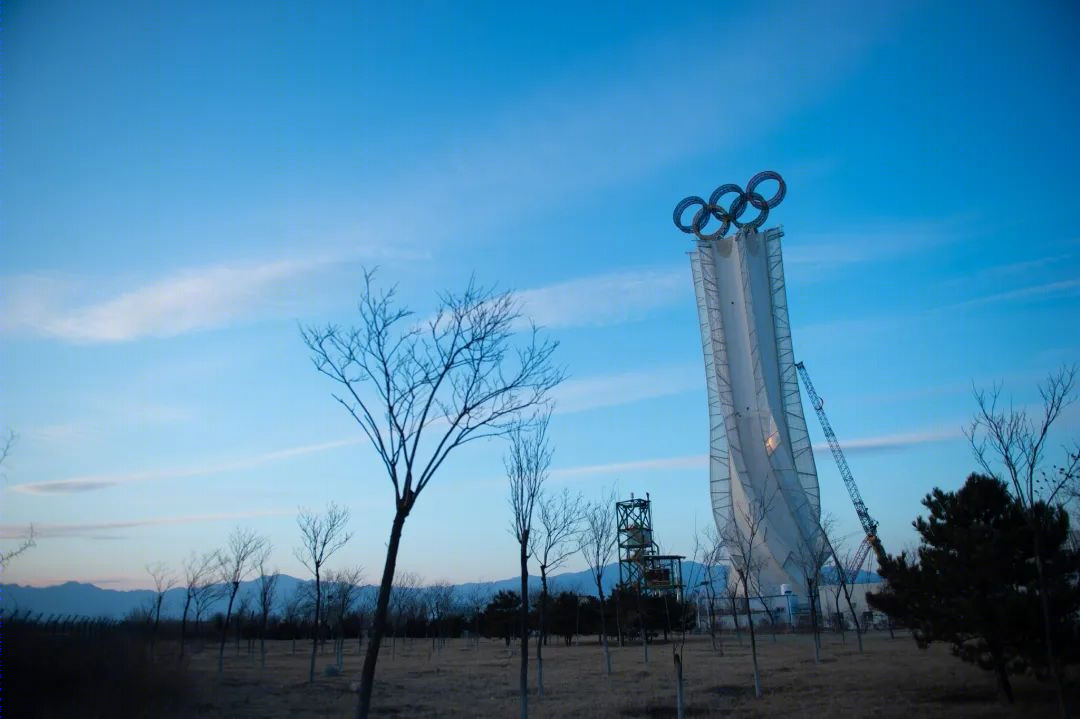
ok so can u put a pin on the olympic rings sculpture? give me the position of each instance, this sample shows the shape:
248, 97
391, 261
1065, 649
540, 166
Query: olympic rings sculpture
730, 217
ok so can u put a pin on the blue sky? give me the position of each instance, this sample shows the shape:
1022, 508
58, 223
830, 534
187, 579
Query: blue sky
185, 184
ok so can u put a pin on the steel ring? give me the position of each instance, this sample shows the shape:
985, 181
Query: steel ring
680, 209
701, 218
781, 189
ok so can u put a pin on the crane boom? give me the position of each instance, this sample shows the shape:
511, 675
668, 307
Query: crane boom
869, 525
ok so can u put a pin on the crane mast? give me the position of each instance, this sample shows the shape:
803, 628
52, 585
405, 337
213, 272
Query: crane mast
869, 525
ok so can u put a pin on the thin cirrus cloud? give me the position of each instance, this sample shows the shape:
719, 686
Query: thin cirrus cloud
99, 530
90, 483
571, 396
188, 301
903, 440
604, 299
579, 395
1047, 290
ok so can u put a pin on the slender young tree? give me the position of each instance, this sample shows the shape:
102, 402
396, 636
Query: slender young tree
1014, 441
268, 580
552, 544
164, 580
235, 562
439, 599
847, 576
208, 591
741, 538
527, 463
421, 390
198, 573
321, 535
709, 550
343, 592
811, 555
597, 544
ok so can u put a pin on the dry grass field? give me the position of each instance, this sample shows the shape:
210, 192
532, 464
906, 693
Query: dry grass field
892, 678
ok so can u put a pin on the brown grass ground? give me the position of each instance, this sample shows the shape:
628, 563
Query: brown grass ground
892, 678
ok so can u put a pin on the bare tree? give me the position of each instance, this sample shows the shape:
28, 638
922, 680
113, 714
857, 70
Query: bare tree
294, 613
597, 544
207, 590
708, 551
28, 540
527, 465
267, 589
552, 545
846, 576
163, 582
811, 554
439, 598
235, 562
451, 380
198, 574
1014, 441
405, 598
741, 538
321, 535
343, 591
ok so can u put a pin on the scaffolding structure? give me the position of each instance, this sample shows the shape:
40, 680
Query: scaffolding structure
640, 563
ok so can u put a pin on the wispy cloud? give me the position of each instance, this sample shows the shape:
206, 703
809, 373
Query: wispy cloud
881, 242
190, 300
693, 461
95, 530
899, 440
1063, 288
89, 483
604, 299
578, 395
700, 461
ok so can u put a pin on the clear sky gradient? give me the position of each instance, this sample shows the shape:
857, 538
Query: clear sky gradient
186, 182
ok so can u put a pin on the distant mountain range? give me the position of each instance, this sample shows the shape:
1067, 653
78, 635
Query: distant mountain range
87, 600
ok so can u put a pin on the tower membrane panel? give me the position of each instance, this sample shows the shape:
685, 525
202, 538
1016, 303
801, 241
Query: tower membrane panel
759, 446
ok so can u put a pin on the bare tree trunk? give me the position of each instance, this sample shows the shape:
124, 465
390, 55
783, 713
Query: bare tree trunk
753, 641
367, 674
678, 687
839, 618
855, 619
523, 678
542, 637
735, 616
603, 630
224, 633
183, 625
318, 625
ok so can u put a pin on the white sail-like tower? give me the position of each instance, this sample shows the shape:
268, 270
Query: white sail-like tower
759, 446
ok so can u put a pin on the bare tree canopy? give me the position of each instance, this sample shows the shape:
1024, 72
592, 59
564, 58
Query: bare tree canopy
419, 390
1013, 440
321, 535
452, 376
235, 562
198, 581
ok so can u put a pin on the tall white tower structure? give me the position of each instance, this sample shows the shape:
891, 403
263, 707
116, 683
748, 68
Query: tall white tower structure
759, 448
